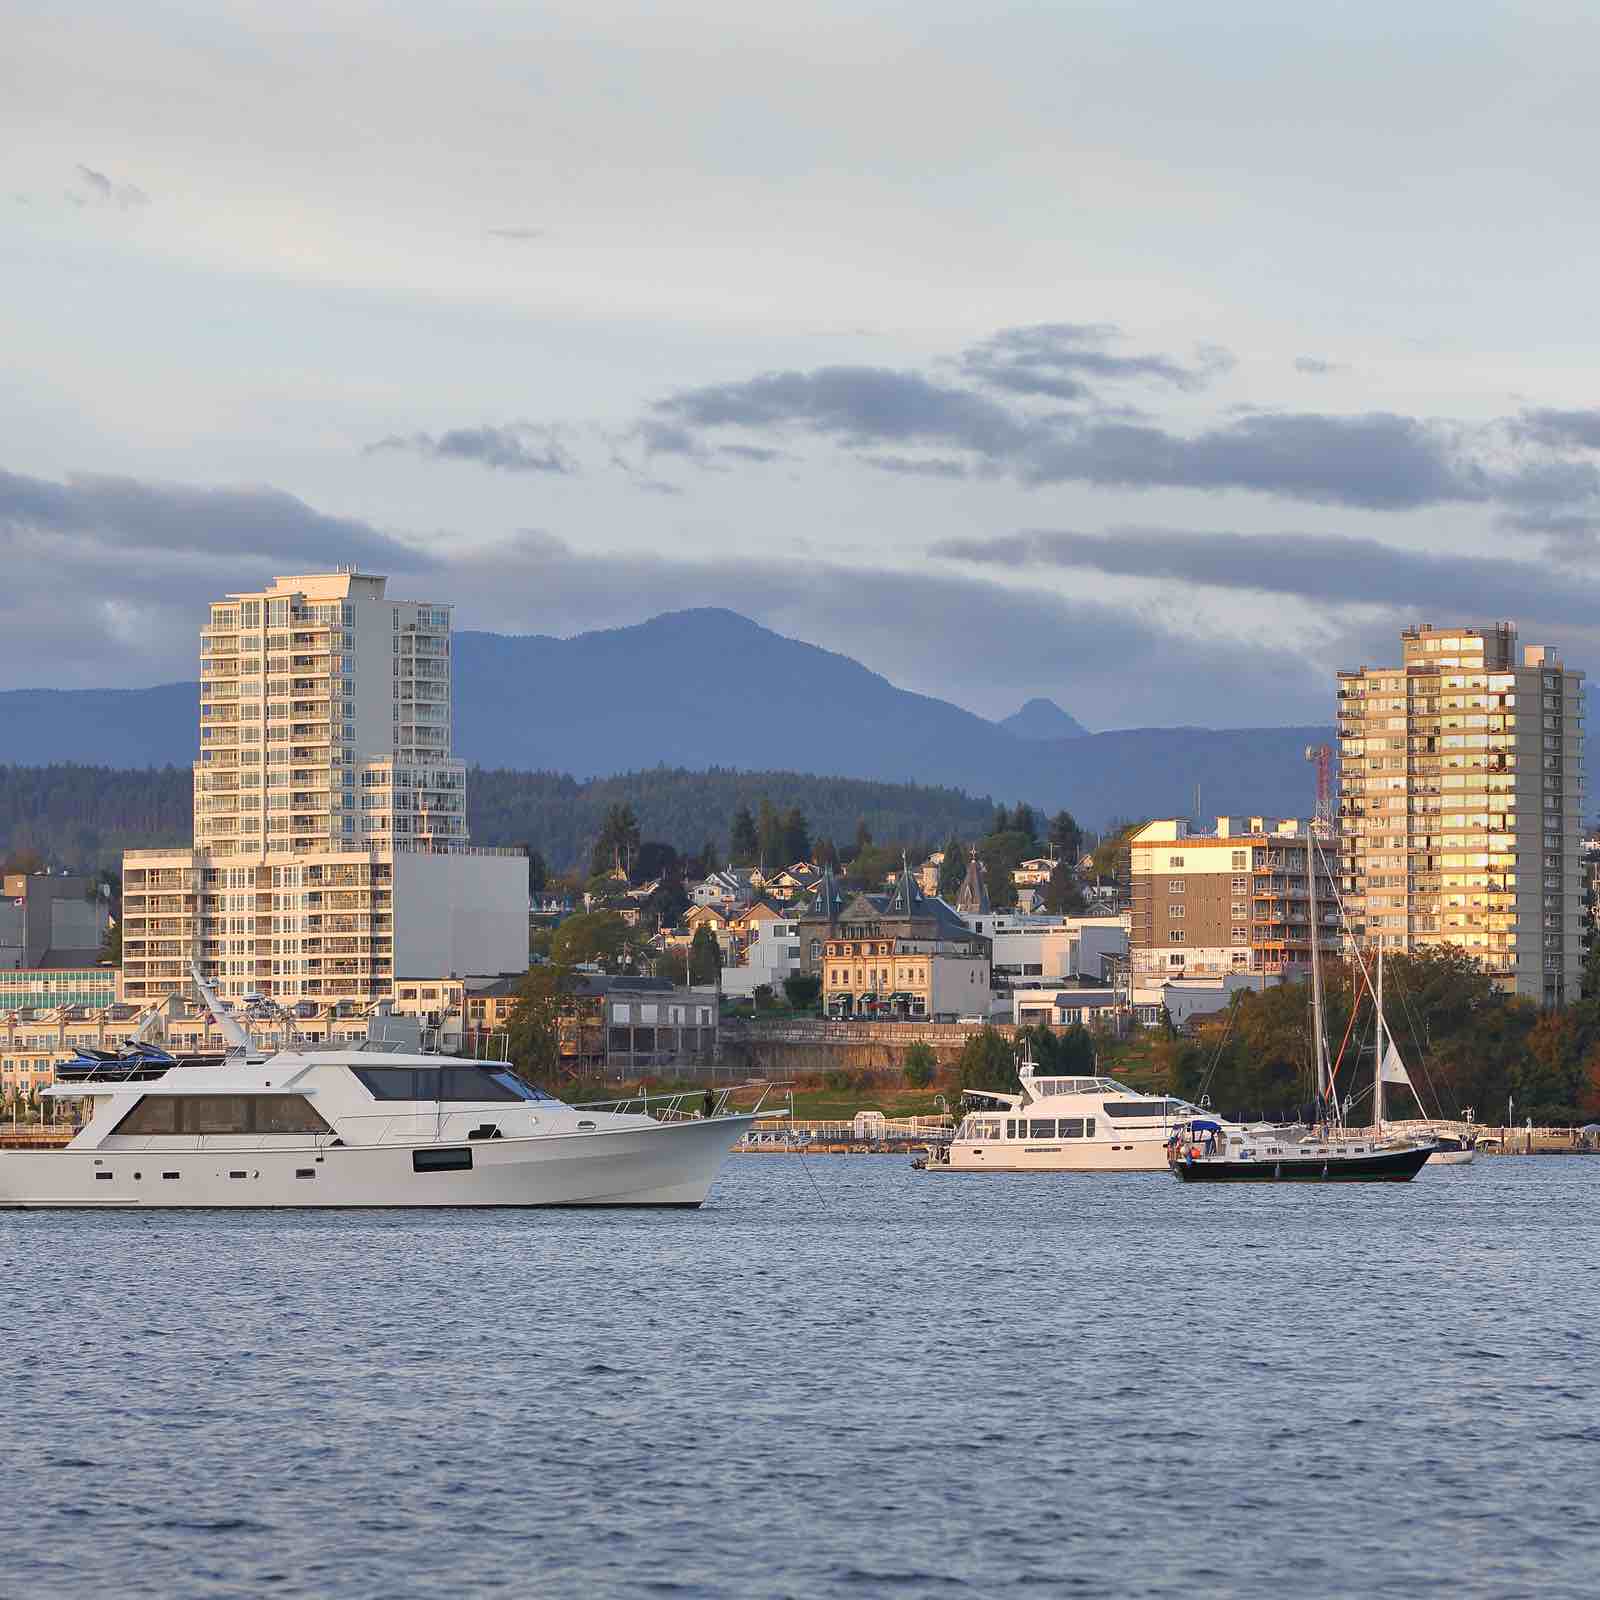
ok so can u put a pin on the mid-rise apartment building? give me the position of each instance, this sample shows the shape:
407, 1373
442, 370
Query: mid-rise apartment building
1461, 798
1237, 900
330, 836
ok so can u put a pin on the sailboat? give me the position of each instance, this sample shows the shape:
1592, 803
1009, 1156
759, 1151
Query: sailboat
1450, 1148
1211, 1150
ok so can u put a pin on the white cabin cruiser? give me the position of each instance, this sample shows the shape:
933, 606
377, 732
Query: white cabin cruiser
1063, 1124
365, 1127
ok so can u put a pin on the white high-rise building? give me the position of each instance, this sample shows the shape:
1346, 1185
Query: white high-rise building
330, 838
1461, 804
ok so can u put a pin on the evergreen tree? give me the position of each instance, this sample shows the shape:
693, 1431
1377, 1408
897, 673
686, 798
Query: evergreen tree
618, 843
706, 862
919, 1065
796, 836
538, 871
1022, 821
1002, 821
863, 836
769, 836
824, 854
705, 956
1066, 836
953, 870
744, 843
1062, 894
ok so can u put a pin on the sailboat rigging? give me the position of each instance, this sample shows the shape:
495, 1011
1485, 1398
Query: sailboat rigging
1212, 1150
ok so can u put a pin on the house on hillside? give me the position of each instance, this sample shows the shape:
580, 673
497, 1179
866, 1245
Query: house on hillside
729, 886
1033, 872
791, 883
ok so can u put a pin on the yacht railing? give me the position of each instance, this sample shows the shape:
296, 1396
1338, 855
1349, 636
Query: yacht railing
686, 1105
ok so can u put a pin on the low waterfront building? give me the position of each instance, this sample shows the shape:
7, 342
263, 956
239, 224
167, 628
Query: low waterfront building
81, 983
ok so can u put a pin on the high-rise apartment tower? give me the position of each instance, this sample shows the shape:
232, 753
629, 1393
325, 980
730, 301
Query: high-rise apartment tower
330, 839
1461, 796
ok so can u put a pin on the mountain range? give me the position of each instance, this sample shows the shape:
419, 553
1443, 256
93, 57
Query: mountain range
707, 688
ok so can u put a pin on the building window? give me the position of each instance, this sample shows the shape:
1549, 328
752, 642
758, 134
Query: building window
1174, 861
1175, 936
1175, 910
1174, 885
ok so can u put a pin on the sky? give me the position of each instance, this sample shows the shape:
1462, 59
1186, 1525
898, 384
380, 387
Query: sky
1157, 361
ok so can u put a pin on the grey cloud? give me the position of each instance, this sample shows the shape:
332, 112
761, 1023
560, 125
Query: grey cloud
1054, 359
516, 235
1323, 569
96, 189
915, 467
130, 514
123, 569
513, 447
127, 575
1372, 460
1562, 430
1315, 367
857, 406
752, 452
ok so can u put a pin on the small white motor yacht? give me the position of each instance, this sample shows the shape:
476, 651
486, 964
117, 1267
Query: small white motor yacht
366, 1127
1062, 1124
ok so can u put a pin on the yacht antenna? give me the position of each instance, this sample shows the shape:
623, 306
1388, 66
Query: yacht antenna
234, 1036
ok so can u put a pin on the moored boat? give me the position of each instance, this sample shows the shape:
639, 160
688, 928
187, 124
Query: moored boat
365, 1127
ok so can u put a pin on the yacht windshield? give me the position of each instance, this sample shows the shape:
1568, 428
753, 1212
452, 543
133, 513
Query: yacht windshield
454, 1081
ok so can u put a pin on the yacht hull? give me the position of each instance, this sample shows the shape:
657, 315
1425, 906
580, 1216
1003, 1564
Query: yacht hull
1387, 1166
667, 1164
1149, 1155
1451, 1158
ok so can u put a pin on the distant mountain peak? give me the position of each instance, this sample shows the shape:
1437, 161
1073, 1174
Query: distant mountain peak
1043, 719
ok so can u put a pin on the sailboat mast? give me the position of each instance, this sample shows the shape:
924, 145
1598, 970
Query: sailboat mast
1318, 1044
1377, 1049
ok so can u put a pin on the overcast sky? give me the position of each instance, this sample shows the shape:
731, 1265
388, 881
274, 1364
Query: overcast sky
1154, 358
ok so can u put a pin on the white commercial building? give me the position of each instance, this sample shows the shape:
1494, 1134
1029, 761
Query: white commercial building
330, 844
1028, 948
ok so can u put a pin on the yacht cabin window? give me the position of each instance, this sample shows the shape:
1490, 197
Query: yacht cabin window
222, 1113
454, 1081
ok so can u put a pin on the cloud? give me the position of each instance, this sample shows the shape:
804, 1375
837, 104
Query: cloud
125, 570
514, 447
1376, 460
1315, 367
1562, 429
96, 189
107, 578
517, 235
138, 515
1323, 569
917, 467
1054, 360
856, 406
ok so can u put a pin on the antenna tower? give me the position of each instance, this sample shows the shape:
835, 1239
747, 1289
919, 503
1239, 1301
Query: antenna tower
1322, 821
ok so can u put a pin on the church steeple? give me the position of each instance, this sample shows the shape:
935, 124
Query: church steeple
972, 899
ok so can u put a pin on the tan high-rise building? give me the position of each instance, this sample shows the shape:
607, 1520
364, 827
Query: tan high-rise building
1461, 803
330, 837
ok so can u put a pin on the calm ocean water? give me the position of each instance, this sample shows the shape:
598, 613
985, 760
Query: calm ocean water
855, 1381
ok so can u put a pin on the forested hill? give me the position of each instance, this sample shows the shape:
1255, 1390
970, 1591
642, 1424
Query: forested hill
87, 816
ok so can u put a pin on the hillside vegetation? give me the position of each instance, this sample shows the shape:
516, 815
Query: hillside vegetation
84, 816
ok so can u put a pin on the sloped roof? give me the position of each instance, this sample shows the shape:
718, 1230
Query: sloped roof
972, 899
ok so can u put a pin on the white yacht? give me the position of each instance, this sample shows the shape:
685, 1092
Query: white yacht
365, 1127
1062, 1124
